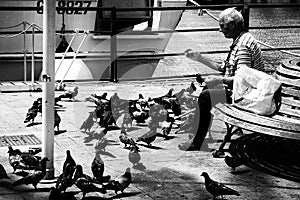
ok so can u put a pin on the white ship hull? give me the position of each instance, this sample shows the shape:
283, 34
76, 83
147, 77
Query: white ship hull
93, 59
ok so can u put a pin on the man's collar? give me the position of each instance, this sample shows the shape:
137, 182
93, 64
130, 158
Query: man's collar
235, 41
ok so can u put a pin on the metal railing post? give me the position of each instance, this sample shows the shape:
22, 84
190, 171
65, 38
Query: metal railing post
113, 47
246, 15
32, 57
24, 49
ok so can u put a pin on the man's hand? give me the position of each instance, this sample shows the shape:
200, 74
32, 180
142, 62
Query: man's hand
194, 55
212, 81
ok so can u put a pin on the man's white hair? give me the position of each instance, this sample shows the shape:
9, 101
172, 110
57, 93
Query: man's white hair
232, 15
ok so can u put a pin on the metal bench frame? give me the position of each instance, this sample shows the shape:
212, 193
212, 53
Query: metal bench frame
284, 123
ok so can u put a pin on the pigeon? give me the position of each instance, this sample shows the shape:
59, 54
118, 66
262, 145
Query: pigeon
36, 176
233, 162
166, 128
97, 168
101, 97
148, 138
28, 158
31, 161
3, 174
143, 103
57, 120
68, 161
84, 182
89, 122
199, 78
31, 114
15, 159
70, 94
169, 94
65, 179
125, 139
120, 183
79, 173
217, 189
134, 156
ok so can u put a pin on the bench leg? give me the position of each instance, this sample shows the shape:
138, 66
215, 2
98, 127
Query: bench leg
220, 152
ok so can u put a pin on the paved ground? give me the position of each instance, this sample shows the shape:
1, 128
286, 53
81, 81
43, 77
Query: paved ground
164, 172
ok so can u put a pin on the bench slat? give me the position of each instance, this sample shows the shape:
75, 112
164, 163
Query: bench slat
287, 110
257, 123
287, 71
259, 119
293, 64
288, 81
290, 91
290, 101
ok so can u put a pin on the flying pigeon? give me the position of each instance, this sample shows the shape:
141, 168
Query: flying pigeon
31, 114
120, 183
3, 173
134, 156
68, 161
36, 176
217, 189
84, 182
97, 168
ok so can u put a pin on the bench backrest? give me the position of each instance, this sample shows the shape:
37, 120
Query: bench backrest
289, 74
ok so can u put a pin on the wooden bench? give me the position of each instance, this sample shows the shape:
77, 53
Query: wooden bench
284, 123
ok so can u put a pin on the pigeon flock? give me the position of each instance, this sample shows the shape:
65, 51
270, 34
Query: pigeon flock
155, 113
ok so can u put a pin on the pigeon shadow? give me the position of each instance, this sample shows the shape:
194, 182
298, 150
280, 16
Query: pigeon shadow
142, 124
106, 153
59, 132
26, 189
111, 128
22, 173
166, 137
151, 147
237, 172
33, 124
132, 128
120, 195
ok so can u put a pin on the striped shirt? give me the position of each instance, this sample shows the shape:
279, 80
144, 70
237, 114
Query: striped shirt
244, 50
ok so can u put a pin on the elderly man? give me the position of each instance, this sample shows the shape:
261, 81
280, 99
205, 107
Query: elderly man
244, 51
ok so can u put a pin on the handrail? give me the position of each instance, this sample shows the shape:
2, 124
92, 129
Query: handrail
204, 7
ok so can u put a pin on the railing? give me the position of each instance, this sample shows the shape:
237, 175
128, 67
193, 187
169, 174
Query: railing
113, 51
